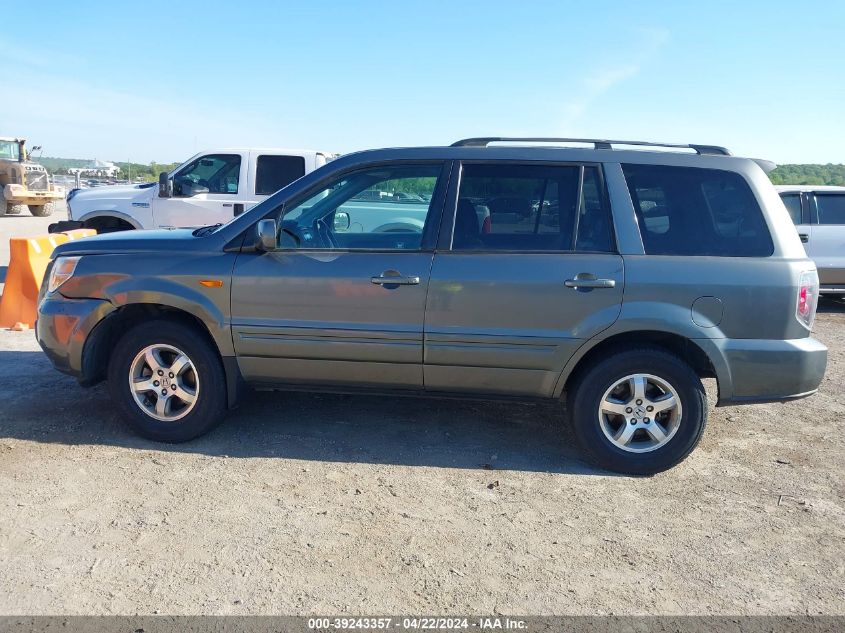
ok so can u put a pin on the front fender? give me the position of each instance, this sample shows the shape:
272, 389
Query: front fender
161, 279
111, 214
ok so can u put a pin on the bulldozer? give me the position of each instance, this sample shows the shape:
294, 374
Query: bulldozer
24, 182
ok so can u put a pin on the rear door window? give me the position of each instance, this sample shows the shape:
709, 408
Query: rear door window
694, 211
512, 207
792, 202
830, 208
274, 172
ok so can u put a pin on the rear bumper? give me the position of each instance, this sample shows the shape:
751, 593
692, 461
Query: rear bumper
831, 278
63, 327
832, 289
770, 371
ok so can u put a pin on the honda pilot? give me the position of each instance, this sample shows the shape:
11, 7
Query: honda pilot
610, 277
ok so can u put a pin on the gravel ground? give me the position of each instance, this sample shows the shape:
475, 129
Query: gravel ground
325, 504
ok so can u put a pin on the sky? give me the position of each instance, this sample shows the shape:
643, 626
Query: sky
159, 81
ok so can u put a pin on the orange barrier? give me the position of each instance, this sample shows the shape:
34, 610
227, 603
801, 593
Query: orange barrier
28, 259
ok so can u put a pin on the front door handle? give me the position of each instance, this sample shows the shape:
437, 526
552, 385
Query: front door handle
804, 237
588, 280
395, 280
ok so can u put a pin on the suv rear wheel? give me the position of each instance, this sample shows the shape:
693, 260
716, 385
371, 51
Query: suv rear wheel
168, 381
638, 412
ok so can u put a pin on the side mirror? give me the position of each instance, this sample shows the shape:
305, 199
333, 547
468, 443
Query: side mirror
267, 235
165, 186
341, 221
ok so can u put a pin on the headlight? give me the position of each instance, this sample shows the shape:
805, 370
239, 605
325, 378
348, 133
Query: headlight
62, 271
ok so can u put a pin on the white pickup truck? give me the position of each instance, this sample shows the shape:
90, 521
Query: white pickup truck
210, 187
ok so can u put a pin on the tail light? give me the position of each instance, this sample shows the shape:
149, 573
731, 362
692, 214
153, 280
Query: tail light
808, 298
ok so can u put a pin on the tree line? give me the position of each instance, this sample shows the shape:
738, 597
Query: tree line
810, 174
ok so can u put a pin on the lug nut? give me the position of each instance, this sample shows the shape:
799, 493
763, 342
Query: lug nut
649, 409
646, 420
155, 383
164, 392
639, 402
173, 387
633, 420
171, 374
160, 373
628, 410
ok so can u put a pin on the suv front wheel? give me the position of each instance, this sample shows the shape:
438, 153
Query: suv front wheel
638, 412
168, 381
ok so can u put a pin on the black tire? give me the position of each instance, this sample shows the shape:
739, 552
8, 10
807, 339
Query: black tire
14, 209
210, 406
43, 210
585, 397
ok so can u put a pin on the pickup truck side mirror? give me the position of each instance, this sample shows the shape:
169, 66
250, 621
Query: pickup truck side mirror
165, 186
267, 235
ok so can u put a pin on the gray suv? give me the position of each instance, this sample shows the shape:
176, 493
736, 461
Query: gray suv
611, 280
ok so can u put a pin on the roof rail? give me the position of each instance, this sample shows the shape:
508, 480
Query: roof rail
597, 143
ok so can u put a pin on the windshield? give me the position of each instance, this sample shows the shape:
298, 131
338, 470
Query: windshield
10, 150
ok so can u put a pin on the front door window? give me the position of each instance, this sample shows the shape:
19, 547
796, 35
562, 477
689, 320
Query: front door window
385, 208
216, 173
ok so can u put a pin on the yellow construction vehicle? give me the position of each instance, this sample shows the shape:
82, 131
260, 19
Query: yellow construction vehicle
23, 182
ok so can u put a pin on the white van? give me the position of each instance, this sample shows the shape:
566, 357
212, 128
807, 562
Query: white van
209, 188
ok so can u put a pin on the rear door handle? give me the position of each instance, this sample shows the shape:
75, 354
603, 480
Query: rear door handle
395, 280
588, 280
804, 237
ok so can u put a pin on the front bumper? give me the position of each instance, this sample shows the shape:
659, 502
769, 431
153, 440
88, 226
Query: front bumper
63, 327
16, 194
771, 371
64, 225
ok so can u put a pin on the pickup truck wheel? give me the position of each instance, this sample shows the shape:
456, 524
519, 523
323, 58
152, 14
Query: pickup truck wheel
168, 382
638, 412
42, 210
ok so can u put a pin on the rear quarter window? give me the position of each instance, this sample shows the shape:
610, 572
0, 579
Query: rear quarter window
792, 202
694, 211
830, 208
274, 172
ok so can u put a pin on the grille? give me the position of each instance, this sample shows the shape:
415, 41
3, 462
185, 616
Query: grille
36, 180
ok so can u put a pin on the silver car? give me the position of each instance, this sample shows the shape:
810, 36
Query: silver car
819, 215
605, 279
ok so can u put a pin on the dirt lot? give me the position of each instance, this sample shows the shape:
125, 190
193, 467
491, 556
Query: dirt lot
316, 504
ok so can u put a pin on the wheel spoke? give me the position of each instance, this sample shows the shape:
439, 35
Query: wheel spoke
180, 363
161, 404
625, 434
656, 432
153, 359
664, 403
142, 385
185, 395
638, 384
610, 406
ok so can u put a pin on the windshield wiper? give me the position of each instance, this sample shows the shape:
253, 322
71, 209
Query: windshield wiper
205, 230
